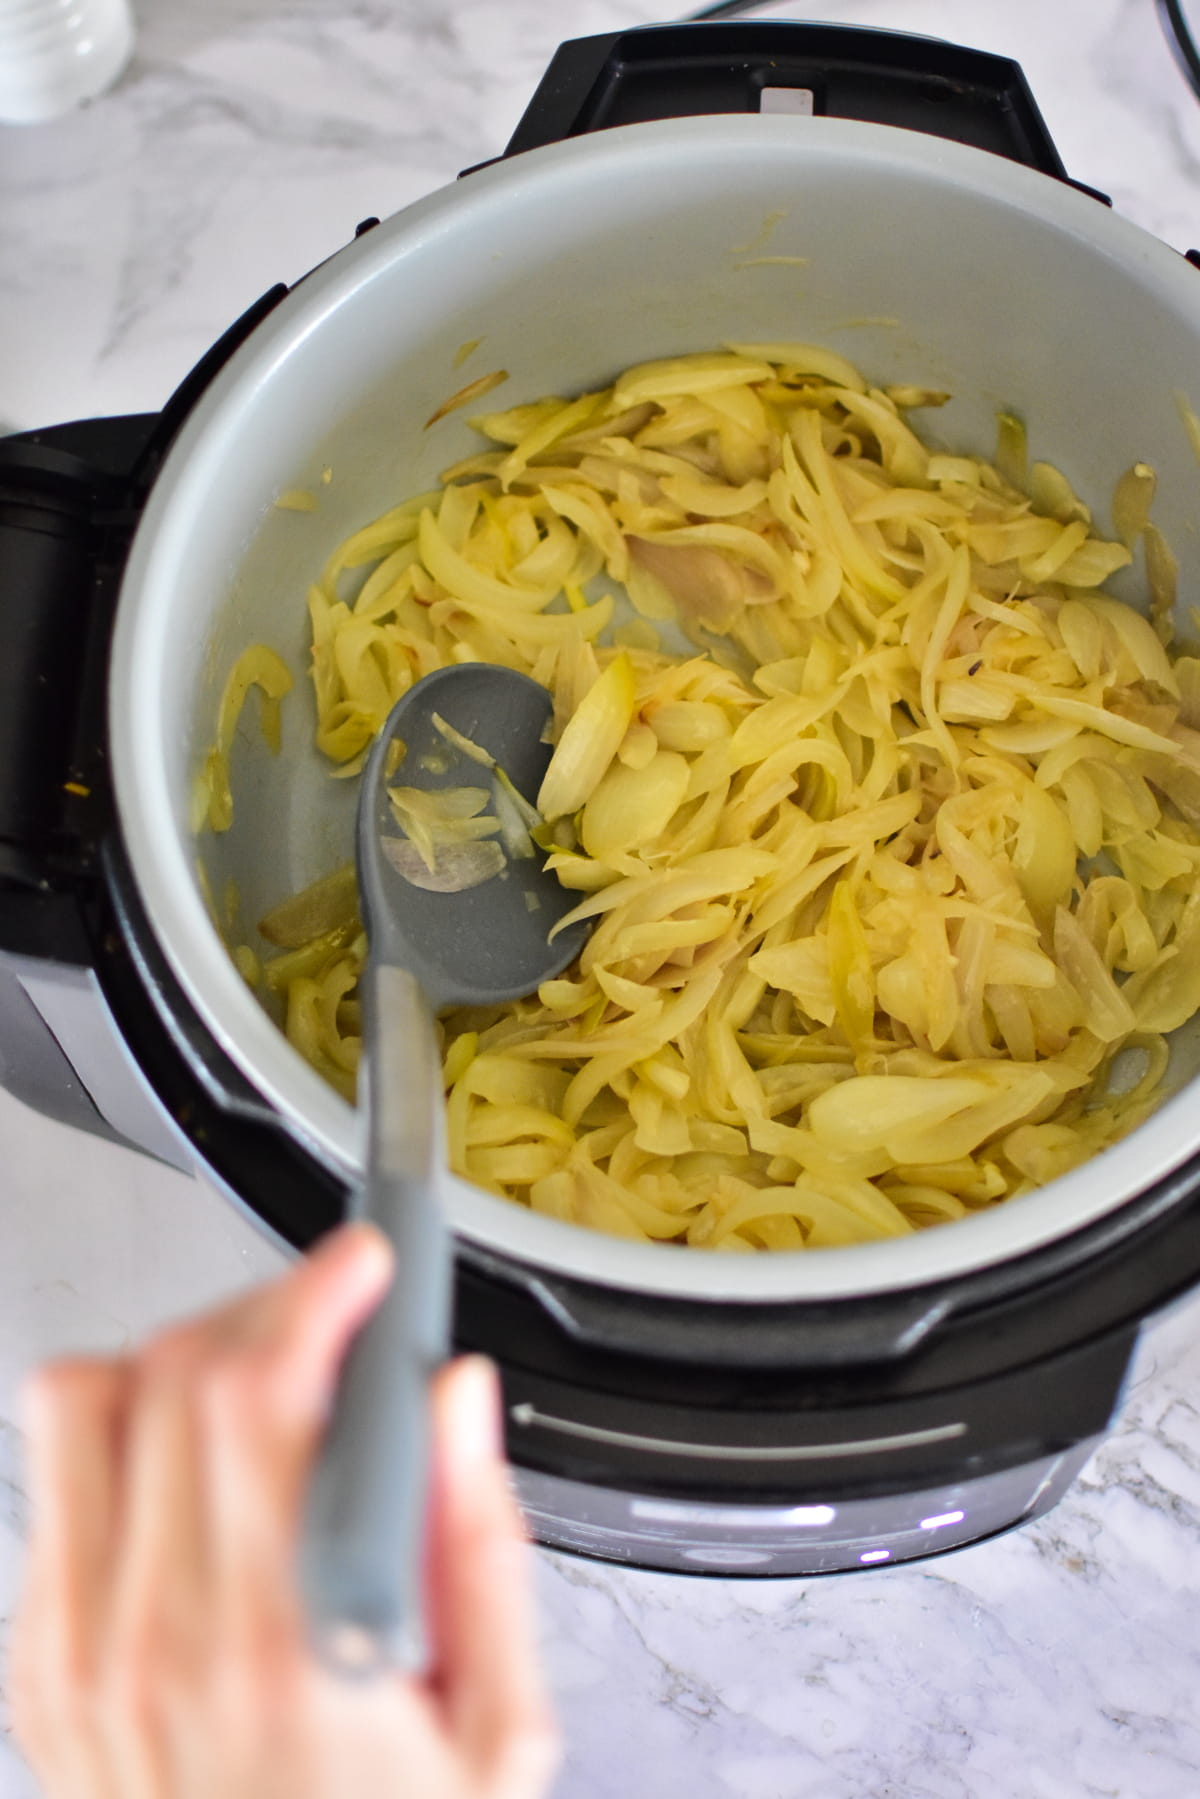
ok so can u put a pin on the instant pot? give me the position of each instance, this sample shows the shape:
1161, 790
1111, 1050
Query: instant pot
668, 189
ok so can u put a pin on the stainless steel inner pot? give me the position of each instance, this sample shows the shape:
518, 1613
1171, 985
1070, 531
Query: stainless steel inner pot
924, 262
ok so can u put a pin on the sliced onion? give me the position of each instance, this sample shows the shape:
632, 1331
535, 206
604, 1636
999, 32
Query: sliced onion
590, 741
328, 903
458, 865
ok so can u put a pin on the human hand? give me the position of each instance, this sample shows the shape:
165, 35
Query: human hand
161, 1650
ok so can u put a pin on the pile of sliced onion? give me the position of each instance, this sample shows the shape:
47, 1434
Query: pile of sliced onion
893, 873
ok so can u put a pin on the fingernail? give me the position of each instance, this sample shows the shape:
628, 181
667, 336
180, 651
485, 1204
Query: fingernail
359, 1240
479, 1420
371, 1240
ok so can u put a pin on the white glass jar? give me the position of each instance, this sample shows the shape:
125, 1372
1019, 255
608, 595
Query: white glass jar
56, 53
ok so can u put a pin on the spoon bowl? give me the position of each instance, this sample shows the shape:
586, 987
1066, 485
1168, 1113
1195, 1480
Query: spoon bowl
483, 944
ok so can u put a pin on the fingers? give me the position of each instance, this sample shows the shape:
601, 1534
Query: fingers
481, 1591
162, 1575
161, 1631
75, 1417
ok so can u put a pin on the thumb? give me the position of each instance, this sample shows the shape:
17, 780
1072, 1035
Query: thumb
279, 1358
326, 1299
300, 1327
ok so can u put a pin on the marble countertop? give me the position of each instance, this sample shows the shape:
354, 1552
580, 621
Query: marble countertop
241, 147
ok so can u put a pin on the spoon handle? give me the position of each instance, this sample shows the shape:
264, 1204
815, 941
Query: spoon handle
362, 1549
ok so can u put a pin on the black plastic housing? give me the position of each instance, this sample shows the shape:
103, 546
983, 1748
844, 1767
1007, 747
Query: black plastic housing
70, 499
881, 77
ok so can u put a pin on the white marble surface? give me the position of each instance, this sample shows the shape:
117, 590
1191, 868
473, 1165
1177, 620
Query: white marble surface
243, 145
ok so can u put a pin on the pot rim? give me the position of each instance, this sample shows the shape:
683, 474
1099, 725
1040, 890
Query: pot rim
159, 851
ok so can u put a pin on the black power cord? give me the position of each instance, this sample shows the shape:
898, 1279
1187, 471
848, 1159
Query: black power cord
1170, 12
728, 9
1179, 36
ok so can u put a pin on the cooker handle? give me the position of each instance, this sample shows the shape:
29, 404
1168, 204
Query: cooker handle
70, 499
839, 71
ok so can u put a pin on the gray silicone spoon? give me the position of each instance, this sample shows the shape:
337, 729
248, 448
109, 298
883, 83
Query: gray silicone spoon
362, 1548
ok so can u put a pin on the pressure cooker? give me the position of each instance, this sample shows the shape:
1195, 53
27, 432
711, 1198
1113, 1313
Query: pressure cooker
668, 189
